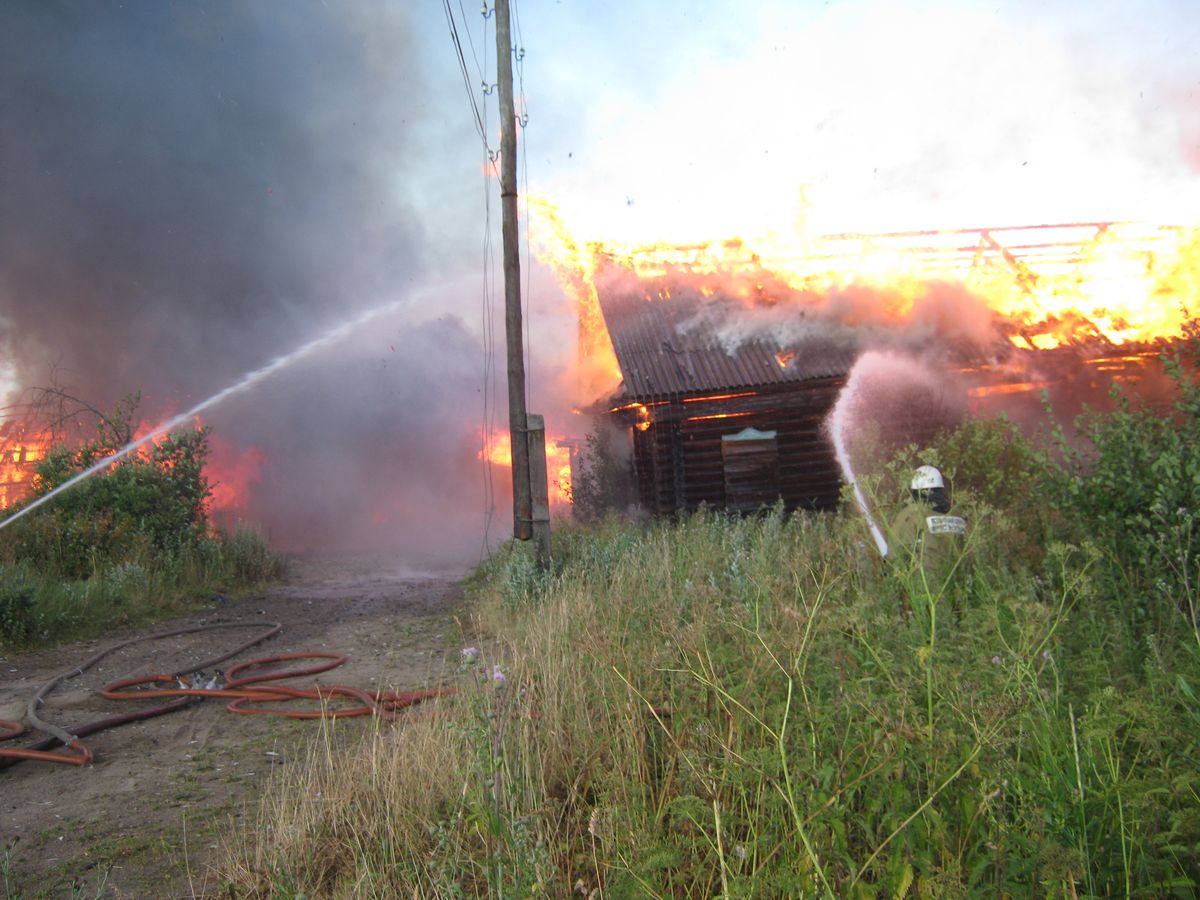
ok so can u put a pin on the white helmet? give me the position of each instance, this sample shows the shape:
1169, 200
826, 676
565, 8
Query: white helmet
927, 478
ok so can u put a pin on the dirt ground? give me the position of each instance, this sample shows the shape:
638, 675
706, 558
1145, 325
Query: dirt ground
144, 819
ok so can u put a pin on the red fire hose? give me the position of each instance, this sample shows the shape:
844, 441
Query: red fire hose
242, 691
245, 693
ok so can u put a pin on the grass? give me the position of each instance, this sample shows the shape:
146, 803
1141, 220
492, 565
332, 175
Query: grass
39, 606
760, 707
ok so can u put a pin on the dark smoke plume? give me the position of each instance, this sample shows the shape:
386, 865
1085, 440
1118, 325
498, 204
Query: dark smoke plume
190, 189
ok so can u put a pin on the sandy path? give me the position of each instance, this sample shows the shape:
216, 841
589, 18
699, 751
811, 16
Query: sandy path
143, 820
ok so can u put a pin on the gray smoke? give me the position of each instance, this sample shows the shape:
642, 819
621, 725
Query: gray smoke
190, 189
942, 320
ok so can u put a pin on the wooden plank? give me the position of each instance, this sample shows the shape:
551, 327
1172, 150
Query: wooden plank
535, 435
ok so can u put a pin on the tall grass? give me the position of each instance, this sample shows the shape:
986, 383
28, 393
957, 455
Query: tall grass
761, 707
42, 605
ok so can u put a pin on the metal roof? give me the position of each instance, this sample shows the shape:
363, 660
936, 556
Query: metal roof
665, 349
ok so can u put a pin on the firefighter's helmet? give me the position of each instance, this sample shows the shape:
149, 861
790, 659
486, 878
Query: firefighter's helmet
927, 478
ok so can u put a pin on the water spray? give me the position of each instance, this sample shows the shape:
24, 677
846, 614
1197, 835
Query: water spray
252, 378
837, 430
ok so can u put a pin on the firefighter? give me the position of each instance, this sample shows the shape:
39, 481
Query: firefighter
933, 542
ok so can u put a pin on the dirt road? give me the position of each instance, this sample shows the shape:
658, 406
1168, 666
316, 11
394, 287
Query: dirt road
143, 820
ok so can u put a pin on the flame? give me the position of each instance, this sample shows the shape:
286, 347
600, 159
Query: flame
230, 471
719, 397
1046, 286
497, 450
729, 415
997, 390
575, 268
231, 474
642, 412
22, 446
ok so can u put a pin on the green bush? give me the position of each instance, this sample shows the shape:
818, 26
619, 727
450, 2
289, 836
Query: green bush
127, 545
602, 481
248, 557
1133, 489
147, 504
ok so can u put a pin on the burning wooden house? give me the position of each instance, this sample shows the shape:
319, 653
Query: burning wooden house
731, 356
735, 427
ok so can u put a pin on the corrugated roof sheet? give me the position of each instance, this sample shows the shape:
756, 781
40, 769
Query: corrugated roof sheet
664, 348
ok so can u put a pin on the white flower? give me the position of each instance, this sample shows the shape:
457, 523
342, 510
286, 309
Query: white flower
470, 654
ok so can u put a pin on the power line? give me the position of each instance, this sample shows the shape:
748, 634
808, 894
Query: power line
462, 65
487, 298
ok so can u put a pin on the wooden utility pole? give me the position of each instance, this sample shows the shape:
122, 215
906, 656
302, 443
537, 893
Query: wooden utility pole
517, 417
527, 433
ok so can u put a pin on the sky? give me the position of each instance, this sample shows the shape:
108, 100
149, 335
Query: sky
191, 188
687, 119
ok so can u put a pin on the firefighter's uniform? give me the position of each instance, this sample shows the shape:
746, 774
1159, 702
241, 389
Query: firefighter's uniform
923, 533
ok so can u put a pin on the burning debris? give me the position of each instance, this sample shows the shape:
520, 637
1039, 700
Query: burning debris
22, 445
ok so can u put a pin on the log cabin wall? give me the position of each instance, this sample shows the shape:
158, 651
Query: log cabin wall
684, 389
678, 462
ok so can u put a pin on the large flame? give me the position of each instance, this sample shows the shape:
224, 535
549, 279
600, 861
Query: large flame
574, 266
1043, 286
232, 472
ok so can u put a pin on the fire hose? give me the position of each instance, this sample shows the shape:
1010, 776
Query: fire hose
246, 693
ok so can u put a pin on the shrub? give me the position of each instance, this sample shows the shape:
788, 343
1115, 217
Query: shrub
1134, 490
147, 504
126, 546
249, 558
602, 482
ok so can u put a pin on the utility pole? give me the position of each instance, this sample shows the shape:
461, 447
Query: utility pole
527, 433
517, 417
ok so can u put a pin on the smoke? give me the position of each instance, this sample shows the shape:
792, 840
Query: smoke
930, 318
381, 455
194, 188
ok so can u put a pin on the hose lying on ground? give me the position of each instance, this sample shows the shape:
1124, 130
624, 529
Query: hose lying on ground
241, 690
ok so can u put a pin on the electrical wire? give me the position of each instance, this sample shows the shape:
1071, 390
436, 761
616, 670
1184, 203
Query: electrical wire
462, 65
487, 299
